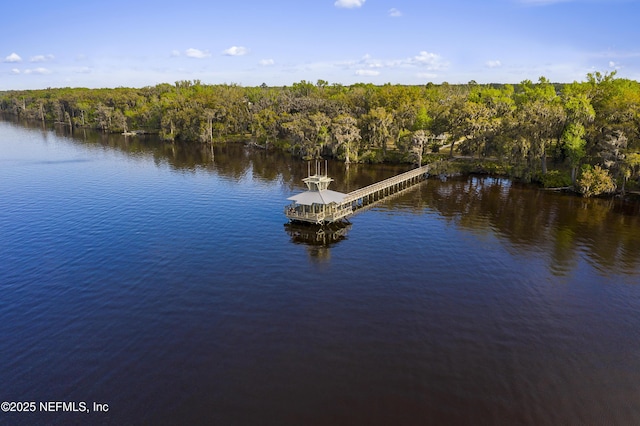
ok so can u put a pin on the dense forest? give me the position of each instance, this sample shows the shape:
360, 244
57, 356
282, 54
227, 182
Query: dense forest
585, 134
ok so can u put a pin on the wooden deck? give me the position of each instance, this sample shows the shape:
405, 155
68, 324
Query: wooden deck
379, 190
332, 212
329, 215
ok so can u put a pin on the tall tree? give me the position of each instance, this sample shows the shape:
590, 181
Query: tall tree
265, 125
377, 124
418, 140
574, 143
345, 133
541, 116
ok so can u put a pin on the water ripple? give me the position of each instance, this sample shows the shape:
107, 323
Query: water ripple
175, 294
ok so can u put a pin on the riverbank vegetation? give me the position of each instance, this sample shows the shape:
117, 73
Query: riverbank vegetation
584, 135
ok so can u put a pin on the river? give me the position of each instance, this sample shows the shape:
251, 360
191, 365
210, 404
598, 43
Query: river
161, 282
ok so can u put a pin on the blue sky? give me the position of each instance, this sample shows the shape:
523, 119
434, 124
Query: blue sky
138, 43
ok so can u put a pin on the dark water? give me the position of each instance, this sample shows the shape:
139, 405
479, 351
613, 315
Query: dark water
162, 281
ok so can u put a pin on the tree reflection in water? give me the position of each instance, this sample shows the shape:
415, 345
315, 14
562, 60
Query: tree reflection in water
606, 232
565, 226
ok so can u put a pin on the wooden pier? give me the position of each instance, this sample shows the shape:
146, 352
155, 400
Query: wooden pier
379, 190
319, 205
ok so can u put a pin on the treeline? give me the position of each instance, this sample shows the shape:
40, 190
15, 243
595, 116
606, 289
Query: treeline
583, 129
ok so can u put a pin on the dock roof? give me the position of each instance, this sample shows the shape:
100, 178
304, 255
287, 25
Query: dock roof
325, 197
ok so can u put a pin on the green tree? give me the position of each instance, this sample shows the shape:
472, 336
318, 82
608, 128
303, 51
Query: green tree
345, 133
574, 143
479, 125
320, 123
612, 150
418, 140
377, 124
540, 116
103, 117
631, 168
595, 181
265, 125
423, 120
300, 129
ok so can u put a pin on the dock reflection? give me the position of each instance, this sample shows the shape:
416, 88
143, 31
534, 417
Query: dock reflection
318, 238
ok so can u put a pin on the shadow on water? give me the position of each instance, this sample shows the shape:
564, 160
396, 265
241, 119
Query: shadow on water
318, 239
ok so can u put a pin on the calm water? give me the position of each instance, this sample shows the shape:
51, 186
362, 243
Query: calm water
162, 281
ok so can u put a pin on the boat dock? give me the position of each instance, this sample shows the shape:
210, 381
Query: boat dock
319, 205
379, 190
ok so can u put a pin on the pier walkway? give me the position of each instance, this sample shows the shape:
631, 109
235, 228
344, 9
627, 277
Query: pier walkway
320, 205
379, 190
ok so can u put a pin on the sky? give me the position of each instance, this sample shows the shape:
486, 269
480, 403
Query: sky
137, 43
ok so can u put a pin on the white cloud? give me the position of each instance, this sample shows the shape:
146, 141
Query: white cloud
236, 51
196, 53
40, 71
370, 73
15, 71
425, 60
175, 53
431, 61
349, 4
366, 61
394, 13
614, 65
369, 62
41, 58
267, 62
14, 57
493, 64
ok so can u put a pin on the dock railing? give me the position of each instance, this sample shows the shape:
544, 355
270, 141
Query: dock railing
387, 184
359, 198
